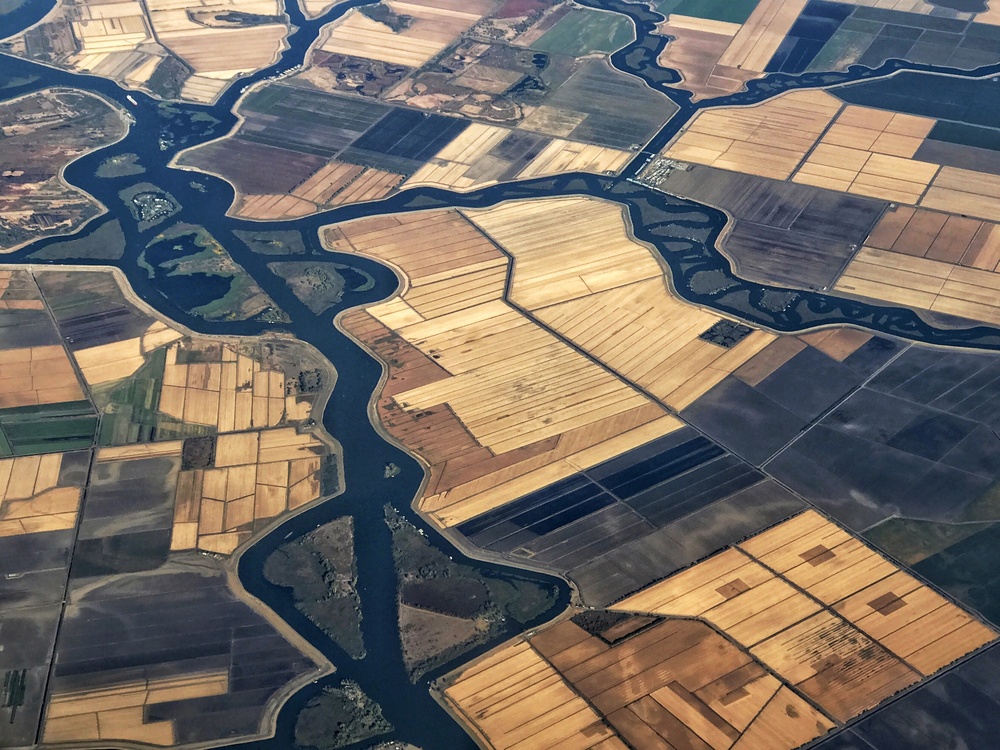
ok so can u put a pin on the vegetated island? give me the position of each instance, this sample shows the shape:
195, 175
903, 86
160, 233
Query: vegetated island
281, 242
121, 165
320, 286
338, 717
321, 569
446, 608
107, 242
217, 287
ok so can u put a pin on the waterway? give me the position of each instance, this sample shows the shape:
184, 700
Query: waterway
683, 232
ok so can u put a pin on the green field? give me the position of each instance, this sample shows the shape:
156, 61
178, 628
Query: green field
730, 11
581, 32
47, 429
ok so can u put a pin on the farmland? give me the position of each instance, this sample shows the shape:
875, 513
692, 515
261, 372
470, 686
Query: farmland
800, 659
160, 483
581, 32
475, 113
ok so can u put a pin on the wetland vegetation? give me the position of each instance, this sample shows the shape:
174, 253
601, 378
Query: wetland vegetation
447, 608
320, 568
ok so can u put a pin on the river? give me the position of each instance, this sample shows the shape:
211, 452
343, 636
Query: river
684, 233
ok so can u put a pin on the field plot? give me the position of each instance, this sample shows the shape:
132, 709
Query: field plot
593, 94
37, 496
254, 477
449, 332
956, 709
594, 513
697, 45
938, 286
723, 45
516, 699
434, 25
325, 149
171, 49
781, 233
487, 154
151, 685
852, 631
768, 140
223, 388
814, 27
605, 275
45, 131
869, 152
582, 31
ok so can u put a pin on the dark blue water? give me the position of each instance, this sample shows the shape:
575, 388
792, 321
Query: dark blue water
684, 233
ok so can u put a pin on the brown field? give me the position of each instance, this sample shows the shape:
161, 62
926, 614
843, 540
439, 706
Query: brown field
335, 184
824, 611
768, 139
293, 184
31, 501
864, 151
567, 156
666, 685
837, 343
494, 403
120, 359
851, 149
937, 236
117, 713
607, 293
451, 166
37, 375
436, 24
257, 476
695, 52
962, 191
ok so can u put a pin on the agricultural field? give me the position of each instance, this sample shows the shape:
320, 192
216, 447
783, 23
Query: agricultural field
819, 626
718, 46
42, 133
723, 45
330, 134
930, 154
181, 446
582, 31
187, 51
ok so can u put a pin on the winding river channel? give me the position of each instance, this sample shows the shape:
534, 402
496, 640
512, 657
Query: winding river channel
684, 232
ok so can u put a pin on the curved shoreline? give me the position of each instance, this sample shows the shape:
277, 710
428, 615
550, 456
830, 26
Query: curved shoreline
127, 121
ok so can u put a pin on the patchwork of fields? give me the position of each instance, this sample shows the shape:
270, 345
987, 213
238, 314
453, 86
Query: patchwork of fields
141, 447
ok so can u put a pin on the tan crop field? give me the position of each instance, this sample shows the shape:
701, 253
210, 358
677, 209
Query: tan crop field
823, 610
31, 500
